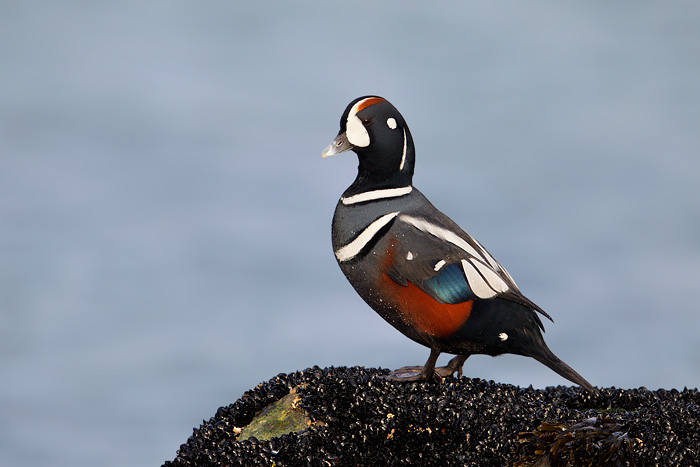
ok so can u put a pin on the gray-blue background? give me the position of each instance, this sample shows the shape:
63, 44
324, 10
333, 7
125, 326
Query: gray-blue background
165, 214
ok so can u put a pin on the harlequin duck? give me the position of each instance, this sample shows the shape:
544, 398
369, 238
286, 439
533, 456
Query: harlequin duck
417, 268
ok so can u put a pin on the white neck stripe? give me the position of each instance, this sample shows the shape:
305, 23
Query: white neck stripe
376, 194
403, 156
353, 248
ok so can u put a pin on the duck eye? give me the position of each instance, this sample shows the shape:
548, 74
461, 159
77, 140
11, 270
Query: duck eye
365, 121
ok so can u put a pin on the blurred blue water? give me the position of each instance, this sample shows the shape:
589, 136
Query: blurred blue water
165, 213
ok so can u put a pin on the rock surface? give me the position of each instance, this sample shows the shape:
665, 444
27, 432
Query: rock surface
356, 418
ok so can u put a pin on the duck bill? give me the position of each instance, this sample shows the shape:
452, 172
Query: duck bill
546, 357
339, 144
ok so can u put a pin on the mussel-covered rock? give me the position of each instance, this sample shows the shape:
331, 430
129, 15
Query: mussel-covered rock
351, 416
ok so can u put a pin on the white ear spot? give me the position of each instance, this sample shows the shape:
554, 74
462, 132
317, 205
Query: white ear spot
503, 336
391, 123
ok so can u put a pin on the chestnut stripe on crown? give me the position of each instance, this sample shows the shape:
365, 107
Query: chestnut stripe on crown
363, 104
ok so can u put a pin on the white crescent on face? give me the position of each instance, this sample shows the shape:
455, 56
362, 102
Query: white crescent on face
354, 129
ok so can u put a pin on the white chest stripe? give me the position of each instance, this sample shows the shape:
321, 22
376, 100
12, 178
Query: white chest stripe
376, 194
353, 248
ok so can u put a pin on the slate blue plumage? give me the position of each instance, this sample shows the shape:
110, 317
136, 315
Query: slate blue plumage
450, 285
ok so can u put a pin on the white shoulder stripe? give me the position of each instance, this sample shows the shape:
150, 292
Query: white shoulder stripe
443, 234
376, 194
353, 248
476, 282
491, 260
483, 271
493, 279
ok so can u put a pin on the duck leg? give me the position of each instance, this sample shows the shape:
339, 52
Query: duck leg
416, 373
420, 373
454, 365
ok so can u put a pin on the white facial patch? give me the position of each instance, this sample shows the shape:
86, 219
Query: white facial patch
354, 129
391, 123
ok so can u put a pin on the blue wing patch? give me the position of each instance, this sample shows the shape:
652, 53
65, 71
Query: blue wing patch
450, 285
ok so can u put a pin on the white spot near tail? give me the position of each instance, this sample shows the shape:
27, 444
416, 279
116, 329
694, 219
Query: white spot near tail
409, 256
